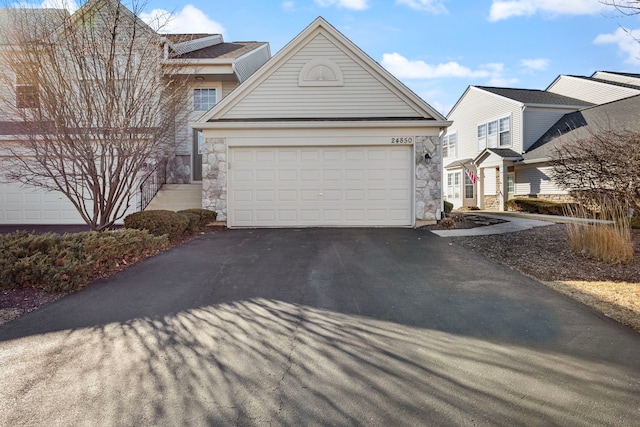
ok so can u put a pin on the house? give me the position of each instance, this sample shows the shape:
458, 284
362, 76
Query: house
213, 69
494, 149
322, 135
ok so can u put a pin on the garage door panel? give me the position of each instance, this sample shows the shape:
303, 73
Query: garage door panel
336, 186
29, 205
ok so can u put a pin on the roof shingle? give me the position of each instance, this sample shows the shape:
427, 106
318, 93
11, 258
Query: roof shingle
534, 96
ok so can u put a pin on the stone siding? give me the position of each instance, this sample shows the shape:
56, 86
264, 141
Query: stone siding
491, 203
559, 198
179, 170
428, 179
428, 188
214, 176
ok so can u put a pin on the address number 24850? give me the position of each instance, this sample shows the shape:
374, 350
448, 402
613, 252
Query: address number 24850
402, 140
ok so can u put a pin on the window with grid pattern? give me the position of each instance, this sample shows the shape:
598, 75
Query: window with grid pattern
204, 99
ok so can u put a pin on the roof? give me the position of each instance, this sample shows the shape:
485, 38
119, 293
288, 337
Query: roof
621, 115
37, 20
459, 163
534, 96
232, 50
634, 75
504, 152
610, 82
321, 26
181, 38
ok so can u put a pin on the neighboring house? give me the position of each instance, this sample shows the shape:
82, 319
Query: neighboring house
213, 67
322, 135
619, 115
497, 136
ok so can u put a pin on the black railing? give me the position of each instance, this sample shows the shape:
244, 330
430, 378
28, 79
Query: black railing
152, 183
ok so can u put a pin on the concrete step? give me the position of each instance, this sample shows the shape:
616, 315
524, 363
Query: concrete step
175, 197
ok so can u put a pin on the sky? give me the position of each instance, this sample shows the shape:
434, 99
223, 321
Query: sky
437, 47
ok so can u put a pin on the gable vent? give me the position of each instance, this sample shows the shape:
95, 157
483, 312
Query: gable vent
320, 72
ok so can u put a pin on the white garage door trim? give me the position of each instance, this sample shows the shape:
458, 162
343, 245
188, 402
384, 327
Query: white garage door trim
335, 186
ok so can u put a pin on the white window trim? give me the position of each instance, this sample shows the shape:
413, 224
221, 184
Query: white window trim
486, 139
216, 86
445, 140
451, 188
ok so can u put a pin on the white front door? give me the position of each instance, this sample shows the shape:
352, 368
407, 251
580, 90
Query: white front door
320, 186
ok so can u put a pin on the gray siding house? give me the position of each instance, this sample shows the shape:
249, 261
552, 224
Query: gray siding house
497, 147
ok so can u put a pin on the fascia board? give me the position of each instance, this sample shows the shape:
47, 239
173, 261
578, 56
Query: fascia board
318, 124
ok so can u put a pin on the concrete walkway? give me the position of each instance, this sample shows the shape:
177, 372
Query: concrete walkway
514, 223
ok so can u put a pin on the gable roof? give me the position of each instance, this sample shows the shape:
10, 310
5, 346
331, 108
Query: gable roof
38, 20
318, 26
621, 115
534, 96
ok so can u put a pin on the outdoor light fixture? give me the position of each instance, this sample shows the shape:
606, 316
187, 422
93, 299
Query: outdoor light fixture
200, 78
427, 158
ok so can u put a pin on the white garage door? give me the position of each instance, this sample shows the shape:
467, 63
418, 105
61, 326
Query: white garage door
320, 186
23, 205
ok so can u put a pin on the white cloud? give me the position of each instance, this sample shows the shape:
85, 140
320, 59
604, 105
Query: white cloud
505, 9
537, 64
344, 4
628, 42
403, 68
287, 5
189, 20
431, 6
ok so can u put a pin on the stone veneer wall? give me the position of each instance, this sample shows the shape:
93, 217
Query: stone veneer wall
560, 198
179, 170
214, 176
428, 188
428, 195
491, 203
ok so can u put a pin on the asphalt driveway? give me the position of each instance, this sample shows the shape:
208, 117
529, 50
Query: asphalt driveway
373, 327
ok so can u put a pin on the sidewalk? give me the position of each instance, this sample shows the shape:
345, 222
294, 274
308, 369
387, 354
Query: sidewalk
515, 222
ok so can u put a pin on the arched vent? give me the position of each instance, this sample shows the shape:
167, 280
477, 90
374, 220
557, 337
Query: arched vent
320, 72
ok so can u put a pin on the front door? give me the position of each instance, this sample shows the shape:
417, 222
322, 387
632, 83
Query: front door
196, 156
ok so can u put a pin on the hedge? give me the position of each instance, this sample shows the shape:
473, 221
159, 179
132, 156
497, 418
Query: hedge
63, 263
537, 206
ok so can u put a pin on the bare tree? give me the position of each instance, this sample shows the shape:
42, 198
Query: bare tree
605, 162
93, 100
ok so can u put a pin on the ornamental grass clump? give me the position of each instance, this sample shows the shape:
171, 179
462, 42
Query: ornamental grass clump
604, 233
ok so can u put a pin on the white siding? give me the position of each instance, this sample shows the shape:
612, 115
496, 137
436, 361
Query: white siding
362, 95
630, 80
490, 181
531, 179
590, 91
537, 121
476, 107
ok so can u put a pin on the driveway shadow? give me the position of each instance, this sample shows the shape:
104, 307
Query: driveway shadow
318, 327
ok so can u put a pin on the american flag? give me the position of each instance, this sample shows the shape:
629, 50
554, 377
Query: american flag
472, 176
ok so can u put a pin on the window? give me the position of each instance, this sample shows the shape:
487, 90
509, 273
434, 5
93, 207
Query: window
449, 145
493, 134
204, 99
27, 96
468, 187
492, 131
26, 92
511, 184
482, 136
505, 133
453, 185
